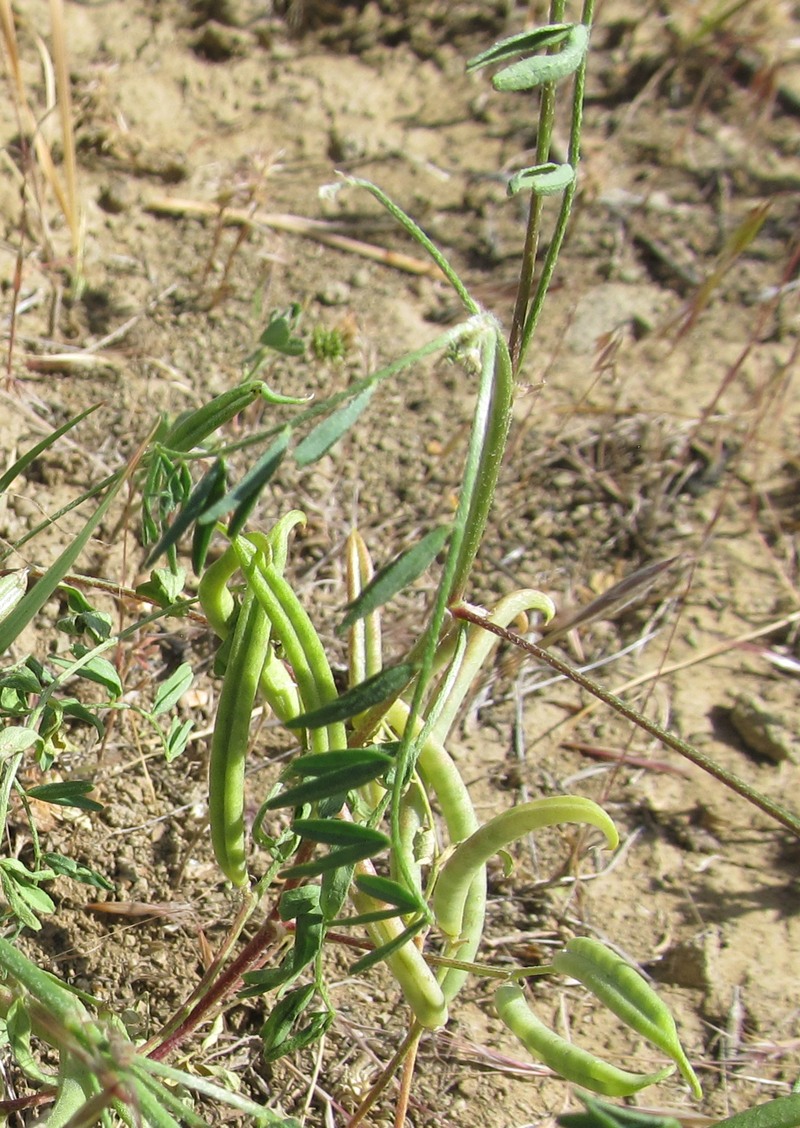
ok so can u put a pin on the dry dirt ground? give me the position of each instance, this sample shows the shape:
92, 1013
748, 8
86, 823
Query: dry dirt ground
658, 419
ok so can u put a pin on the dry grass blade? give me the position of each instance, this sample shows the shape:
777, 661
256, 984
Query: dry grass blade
316, 229
776, 811
65, 191
610, 603
64, 98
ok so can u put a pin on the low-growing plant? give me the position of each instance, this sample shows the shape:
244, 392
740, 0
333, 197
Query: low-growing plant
373, 762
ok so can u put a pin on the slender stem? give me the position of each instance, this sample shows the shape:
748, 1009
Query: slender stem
254, 954
416, 233
547, 106
406, 1082
775, 810
188, 1005
554, 249
408, 1045
531, 246
498, 372
456, 568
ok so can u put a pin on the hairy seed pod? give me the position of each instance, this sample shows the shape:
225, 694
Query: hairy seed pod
630, 997
531, 72
571, 1062
231, 738
452, 887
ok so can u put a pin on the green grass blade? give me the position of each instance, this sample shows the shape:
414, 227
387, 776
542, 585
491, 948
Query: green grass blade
34, 600
31, 455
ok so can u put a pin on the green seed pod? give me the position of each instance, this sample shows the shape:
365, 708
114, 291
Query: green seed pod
452, 887
420, 988
216, 600
191, 429
231, 738
571, 1062
623, 990
531, 72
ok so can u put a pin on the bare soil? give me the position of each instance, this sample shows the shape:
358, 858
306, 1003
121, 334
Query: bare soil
659, 419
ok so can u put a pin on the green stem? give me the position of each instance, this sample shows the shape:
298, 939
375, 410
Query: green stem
547, 106
479, 646
492, 432
416, 233
554, 249
456, 567
442, 779
775, 810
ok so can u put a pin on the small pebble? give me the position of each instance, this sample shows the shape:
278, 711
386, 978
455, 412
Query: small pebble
763, 731
336, 293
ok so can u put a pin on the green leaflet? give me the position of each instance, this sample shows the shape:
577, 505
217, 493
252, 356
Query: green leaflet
244, 495
205, 495
383, 889
337, 832
521, 44
170, 691
326, 784
396, 575
327, 433
389, 949
373, 691
66, 793
600, 1114
783, 1112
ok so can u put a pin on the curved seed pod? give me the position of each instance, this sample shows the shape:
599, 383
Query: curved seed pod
420, 988
292, 627
450, 894
231, 738
570, 1061
217, 602
544, 179
278, 538
480, 644
442, 778
194, 427
364, 643
623, 990
12, 588
528, 73
364, 639
279, 688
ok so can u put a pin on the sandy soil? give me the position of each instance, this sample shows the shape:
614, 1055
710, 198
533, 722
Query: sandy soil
658, 420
